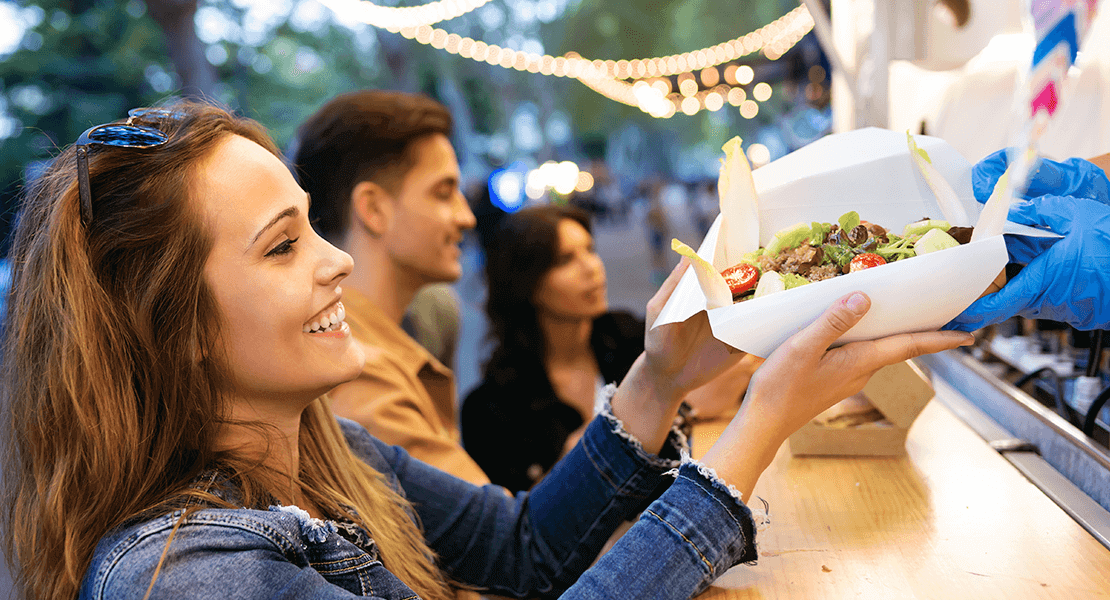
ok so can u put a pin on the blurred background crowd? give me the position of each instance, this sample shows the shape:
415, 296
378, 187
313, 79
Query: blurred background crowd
522, 138
638, 148
631, 144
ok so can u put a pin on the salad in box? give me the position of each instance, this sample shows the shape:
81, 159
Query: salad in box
868, 185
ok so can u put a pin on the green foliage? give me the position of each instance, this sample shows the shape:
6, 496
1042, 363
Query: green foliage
649, 28
73, 71
88, 61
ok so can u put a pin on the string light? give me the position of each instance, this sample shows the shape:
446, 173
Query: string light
605, 76
744, 75
396, 18
762, 91
736, 96
749, 109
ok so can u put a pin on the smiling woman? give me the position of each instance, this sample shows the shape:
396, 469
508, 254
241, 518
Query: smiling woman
172, 326
262, 240
197, 255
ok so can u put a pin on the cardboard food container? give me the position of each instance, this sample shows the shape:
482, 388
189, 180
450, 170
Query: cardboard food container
869, 171
899, 392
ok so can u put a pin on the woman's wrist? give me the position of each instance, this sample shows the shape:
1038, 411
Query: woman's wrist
745, 448
646, 405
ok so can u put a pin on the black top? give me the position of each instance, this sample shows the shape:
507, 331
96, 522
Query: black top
515, 426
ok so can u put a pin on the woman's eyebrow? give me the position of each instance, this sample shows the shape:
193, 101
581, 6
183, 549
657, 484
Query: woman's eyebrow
292, 211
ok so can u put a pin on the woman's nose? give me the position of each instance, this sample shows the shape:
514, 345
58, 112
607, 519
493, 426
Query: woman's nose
594, 266
333, 265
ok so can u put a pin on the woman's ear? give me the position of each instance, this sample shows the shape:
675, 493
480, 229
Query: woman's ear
371, 208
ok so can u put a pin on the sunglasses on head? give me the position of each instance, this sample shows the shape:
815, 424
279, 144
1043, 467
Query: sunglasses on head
129, 134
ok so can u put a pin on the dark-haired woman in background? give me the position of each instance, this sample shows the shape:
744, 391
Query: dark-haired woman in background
557, 346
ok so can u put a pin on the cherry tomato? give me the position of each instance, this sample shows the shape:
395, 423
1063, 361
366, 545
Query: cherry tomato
741, 278
865, 261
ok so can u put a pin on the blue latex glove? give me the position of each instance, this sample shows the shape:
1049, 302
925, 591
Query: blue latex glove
1065, 279
1072, 177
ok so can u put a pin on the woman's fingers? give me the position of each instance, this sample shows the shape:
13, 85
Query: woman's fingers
833, 323
876, 354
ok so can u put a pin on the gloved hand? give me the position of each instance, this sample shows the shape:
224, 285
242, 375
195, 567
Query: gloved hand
1072, 177
1065, 279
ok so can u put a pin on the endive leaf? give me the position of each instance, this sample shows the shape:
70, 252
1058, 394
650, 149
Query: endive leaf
712, 284
949, 202
993, 218
739, 207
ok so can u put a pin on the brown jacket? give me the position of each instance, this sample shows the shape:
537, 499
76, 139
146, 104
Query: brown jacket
404, 396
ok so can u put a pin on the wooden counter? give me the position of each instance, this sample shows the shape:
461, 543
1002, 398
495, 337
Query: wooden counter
952, 520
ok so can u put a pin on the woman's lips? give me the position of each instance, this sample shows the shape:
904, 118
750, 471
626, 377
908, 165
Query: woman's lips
596, 292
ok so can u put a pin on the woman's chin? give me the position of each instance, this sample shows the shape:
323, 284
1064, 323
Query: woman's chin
354, 366
350, 368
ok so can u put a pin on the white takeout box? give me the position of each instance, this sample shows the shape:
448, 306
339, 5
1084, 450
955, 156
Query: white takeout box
871, 172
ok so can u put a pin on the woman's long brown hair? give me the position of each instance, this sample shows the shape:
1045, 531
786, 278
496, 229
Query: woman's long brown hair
110, 379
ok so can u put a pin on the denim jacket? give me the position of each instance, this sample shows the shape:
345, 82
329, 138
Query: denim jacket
541, 543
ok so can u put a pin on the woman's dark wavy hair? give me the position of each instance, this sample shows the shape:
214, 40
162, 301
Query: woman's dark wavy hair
524, 249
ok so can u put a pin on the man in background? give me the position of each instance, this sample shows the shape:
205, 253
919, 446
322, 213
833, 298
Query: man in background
384, 185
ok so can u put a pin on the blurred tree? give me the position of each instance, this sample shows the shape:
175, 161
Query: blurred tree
80, 62
176, 18
83, 62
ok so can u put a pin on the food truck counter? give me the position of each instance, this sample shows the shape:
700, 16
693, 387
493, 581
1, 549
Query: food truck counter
952, 518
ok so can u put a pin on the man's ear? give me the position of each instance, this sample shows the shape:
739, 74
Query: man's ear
371, 208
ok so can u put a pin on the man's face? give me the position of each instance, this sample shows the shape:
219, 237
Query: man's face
430, 214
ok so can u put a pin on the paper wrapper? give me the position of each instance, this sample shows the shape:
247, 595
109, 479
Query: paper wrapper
871, 172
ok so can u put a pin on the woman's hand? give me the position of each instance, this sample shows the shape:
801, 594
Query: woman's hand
683, 355
721, 396
677, 358
802, 378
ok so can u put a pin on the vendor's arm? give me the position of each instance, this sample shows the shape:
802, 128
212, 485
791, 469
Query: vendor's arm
1062, 279
1072, 177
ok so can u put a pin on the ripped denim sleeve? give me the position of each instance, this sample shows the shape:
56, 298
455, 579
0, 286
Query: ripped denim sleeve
761, 516
674, 448
694, 477
684, 540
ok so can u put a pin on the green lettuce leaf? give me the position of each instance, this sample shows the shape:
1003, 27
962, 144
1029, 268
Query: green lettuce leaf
820, 230
793, 280
849, 221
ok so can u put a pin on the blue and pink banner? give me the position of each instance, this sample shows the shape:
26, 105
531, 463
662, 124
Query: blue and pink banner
1060, 26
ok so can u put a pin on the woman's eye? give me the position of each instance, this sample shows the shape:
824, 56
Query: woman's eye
283, 248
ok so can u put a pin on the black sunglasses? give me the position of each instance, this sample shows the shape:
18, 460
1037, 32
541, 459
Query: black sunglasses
120, 135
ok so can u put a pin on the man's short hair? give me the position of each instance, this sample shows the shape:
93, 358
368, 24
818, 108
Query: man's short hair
360, 136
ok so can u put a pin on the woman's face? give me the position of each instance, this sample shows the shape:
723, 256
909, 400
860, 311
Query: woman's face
276, 281
574, 287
